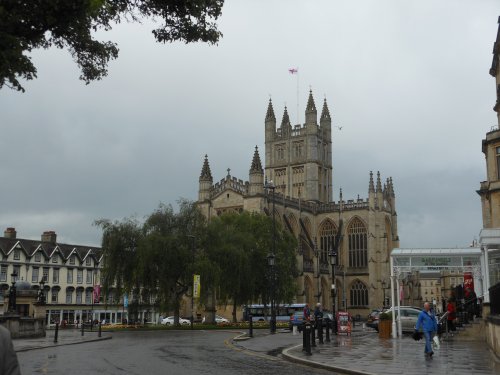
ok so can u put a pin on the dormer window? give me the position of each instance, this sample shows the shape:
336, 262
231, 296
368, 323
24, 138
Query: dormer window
54, 259
38, 257
17, 254
88, 262
72, 260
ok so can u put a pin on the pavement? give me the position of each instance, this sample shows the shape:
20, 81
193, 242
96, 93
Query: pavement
64, 337
364, 353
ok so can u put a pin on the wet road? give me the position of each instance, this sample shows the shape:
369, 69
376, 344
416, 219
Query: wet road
163, 352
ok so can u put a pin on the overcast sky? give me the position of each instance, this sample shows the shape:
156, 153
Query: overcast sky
407, 81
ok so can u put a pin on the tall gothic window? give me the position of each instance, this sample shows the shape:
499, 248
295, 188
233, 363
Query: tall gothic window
498, 162
327, 239
358, 249
280, 152
359, 294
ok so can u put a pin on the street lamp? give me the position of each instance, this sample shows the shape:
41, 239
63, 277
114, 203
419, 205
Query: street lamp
271, 259
333, 261
12, 294
41, 294
192, 279
384, 284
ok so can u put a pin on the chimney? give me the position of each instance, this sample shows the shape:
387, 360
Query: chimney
49, 236
10, 233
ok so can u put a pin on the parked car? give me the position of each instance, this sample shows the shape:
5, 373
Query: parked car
409, 316
169, 320
296, 320
218, 319
372, 320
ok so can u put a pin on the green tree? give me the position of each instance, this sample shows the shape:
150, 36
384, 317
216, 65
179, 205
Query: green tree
28, 25
238, 244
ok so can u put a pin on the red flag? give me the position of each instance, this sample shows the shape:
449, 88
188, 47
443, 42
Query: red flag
293, 70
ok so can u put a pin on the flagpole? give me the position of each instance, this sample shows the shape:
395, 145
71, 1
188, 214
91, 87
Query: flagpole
298, 121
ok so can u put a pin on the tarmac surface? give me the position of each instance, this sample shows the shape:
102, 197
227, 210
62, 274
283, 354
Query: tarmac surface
361, 353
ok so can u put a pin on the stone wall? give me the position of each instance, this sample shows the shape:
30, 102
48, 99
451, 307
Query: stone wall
24, 327
492, 330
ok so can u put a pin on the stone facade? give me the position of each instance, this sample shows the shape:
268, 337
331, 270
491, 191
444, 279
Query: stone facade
299, 162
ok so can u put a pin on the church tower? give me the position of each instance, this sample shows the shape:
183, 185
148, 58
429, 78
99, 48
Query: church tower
299, 158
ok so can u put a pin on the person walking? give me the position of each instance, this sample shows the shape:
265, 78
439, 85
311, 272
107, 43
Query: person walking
318, 311
427, 322
8, 358
307, 313
452, 315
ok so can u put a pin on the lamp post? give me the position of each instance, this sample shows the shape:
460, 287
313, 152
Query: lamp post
192, 280
271, 262
384, 284
271, 259
333, 261
13, 294
41, 294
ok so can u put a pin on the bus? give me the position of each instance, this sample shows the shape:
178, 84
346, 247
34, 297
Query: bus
262, 313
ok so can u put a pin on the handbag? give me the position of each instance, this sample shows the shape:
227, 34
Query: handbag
417, 336
436, 342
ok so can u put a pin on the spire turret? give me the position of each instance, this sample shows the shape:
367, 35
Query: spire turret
325, 113
286, 118
371, 186
206, 174
311, 113
379, 183
270, 112
256, 164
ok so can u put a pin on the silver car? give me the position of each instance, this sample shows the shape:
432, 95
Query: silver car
409, 316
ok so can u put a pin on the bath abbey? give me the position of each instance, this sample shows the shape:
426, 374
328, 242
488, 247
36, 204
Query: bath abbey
296, 182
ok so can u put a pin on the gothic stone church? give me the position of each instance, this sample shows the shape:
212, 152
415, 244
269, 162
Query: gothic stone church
298, 159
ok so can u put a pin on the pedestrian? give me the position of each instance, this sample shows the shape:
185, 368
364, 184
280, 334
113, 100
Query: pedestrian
452, 315
318, 311
8, 358
427, 322
307, 313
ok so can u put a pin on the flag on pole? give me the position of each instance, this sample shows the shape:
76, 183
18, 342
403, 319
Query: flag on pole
196, 286
97, 293
293, 70
401, 293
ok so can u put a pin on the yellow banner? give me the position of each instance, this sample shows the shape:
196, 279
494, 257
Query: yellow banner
196, 286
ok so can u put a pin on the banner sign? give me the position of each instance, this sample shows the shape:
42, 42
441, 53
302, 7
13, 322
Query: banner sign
125, 300
468, 284
97, 293
196, 286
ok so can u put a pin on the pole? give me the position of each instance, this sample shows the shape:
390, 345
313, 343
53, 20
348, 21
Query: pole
250, 325
273, 302
307, 338
192, 281
394, 335
57, 332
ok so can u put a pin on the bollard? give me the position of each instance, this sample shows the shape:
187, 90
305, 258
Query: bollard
334, 326
83, 325
313, 335
328, 330
307, 338
57, 332
319, 325
250, 326
91, 325
99, 334
304, 335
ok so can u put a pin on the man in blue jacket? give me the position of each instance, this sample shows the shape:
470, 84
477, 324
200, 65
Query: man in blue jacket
427, 322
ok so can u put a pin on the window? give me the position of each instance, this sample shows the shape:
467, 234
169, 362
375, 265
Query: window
79, 296
497, 149
89, 277
17, 271
55, 276
45, 274
17, 254
55, 293
79, 276
88, 296
358, 252
54, 259
3, 272
298, 148
69, 277
34, 275
359, 294
38, 257
69, 296
280, 152
72, 260
88, 261
327, 240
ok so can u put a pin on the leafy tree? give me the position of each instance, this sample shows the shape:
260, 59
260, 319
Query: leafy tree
28, 25
239, 245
